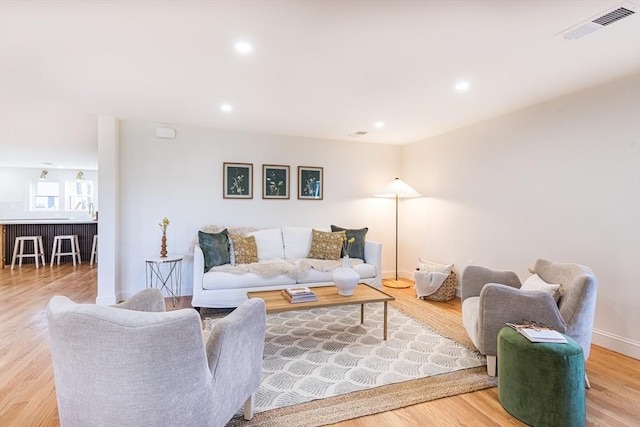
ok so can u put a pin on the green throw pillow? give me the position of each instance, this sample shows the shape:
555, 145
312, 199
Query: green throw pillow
357, 247
215, 247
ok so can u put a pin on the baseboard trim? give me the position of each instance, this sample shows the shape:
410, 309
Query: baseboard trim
613, 342
105, 300
616, 343
401, 275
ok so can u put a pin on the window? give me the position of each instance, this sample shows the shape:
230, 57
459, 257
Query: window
79, 195
46, 196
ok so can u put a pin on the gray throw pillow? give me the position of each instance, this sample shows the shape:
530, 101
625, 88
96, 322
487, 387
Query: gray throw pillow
357, 247
215, 247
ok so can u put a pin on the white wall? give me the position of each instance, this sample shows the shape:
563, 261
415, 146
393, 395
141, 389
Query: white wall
559, 181
182, 179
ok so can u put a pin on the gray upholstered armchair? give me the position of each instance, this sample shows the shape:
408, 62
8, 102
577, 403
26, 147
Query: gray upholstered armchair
135, 364
492, 298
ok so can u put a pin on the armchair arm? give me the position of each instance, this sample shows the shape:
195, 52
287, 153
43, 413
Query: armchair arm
198, 275
234, 351
500, 304
150, 299
475, 277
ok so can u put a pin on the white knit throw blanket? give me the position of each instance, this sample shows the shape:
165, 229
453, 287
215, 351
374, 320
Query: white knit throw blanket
428, 283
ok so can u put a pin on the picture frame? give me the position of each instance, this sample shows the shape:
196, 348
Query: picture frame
275, 182
310, 183
237, 180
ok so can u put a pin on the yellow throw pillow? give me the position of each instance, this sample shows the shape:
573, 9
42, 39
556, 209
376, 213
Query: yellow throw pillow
245, 250
326, 245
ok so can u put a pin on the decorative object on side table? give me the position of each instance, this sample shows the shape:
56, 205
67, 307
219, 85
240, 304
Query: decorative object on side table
346, 278
163, 248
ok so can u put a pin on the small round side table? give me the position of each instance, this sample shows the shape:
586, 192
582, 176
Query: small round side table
166, 273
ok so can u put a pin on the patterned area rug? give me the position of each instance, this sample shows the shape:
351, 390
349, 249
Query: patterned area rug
322, 366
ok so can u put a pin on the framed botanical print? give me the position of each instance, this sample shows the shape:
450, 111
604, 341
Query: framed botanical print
310, 183
237, 181
275, 182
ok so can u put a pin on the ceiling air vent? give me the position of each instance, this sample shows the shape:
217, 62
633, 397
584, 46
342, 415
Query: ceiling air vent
612, 17
359, 133
599, 21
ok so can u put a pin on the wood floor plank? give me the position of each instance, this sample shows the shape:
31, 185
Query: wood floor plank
27, 391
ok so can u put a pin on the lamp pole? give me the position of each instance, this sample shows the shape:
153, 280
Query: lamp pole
397, 189
396, 236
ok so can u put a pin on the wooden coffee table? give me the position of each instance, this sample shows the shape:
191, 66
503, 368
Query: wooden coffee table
327, 297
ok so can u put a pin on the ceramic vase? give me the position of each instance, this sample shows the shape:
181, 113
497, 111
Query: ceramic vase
163, 247
345, 278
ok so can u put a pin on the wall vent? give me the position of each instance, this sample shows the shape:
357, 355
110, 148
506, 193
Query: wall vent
599, 21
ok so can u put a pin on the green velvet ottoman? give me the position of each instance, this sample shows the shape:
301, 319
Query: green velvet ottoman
541, 384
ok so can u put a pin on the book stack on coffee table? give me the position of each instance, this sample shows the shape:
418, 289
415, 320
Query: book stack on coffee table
299, 294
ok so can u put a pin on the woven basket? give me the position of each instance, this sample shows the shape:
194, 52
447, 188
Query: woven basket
447, 291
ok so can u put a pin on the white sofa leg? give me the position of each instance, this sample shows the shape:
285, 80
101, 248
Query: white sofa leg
248, 408
491, 366
587, 384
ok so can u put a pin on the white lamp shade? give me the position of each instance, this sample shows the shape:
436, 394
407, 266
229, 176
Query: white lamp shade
399, 188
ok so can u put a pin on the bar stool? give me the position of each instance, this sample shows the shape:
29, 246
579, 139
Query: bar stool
94, 249
38, 250
57, 248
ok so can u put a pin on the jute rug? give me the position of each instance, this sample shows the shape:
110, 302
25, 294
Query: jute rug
369, 397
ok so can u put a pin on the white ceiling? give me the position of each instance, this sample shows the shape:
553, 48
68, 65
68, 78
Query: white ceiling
321, 69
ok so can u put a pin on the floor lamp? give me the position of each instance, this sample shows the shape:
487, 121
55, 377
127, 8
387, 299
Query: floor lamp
397, 189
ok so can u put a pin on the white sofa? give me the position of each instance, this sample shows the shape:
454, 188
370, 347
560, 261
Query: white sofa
284, 248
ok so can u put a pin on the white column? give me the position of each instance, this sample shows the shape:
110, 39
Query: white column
108, 221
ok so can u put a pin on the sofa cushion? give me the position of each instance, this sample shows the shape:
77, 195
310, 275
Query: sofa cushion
297, 242
269, 242
366, 271
220, 280
215, 247
535, 283
245, 250
326, 245
357, 247
471, 317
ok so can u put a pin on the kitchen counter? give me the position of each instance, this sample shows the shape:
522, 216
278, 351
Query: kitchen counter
48, 228
46, 221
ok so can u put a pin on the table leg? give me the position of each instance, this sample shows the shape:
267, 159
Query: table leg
384, 330
171, 281
361, 313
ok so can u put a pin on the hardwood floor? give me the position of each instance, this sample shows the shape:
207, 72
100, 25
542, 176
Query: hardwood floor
27, 392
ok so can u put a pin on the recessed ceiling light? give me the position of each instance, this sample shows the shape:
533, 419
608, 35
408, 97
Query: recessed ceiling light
226, 108
379, 124
243, 47
462, 86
